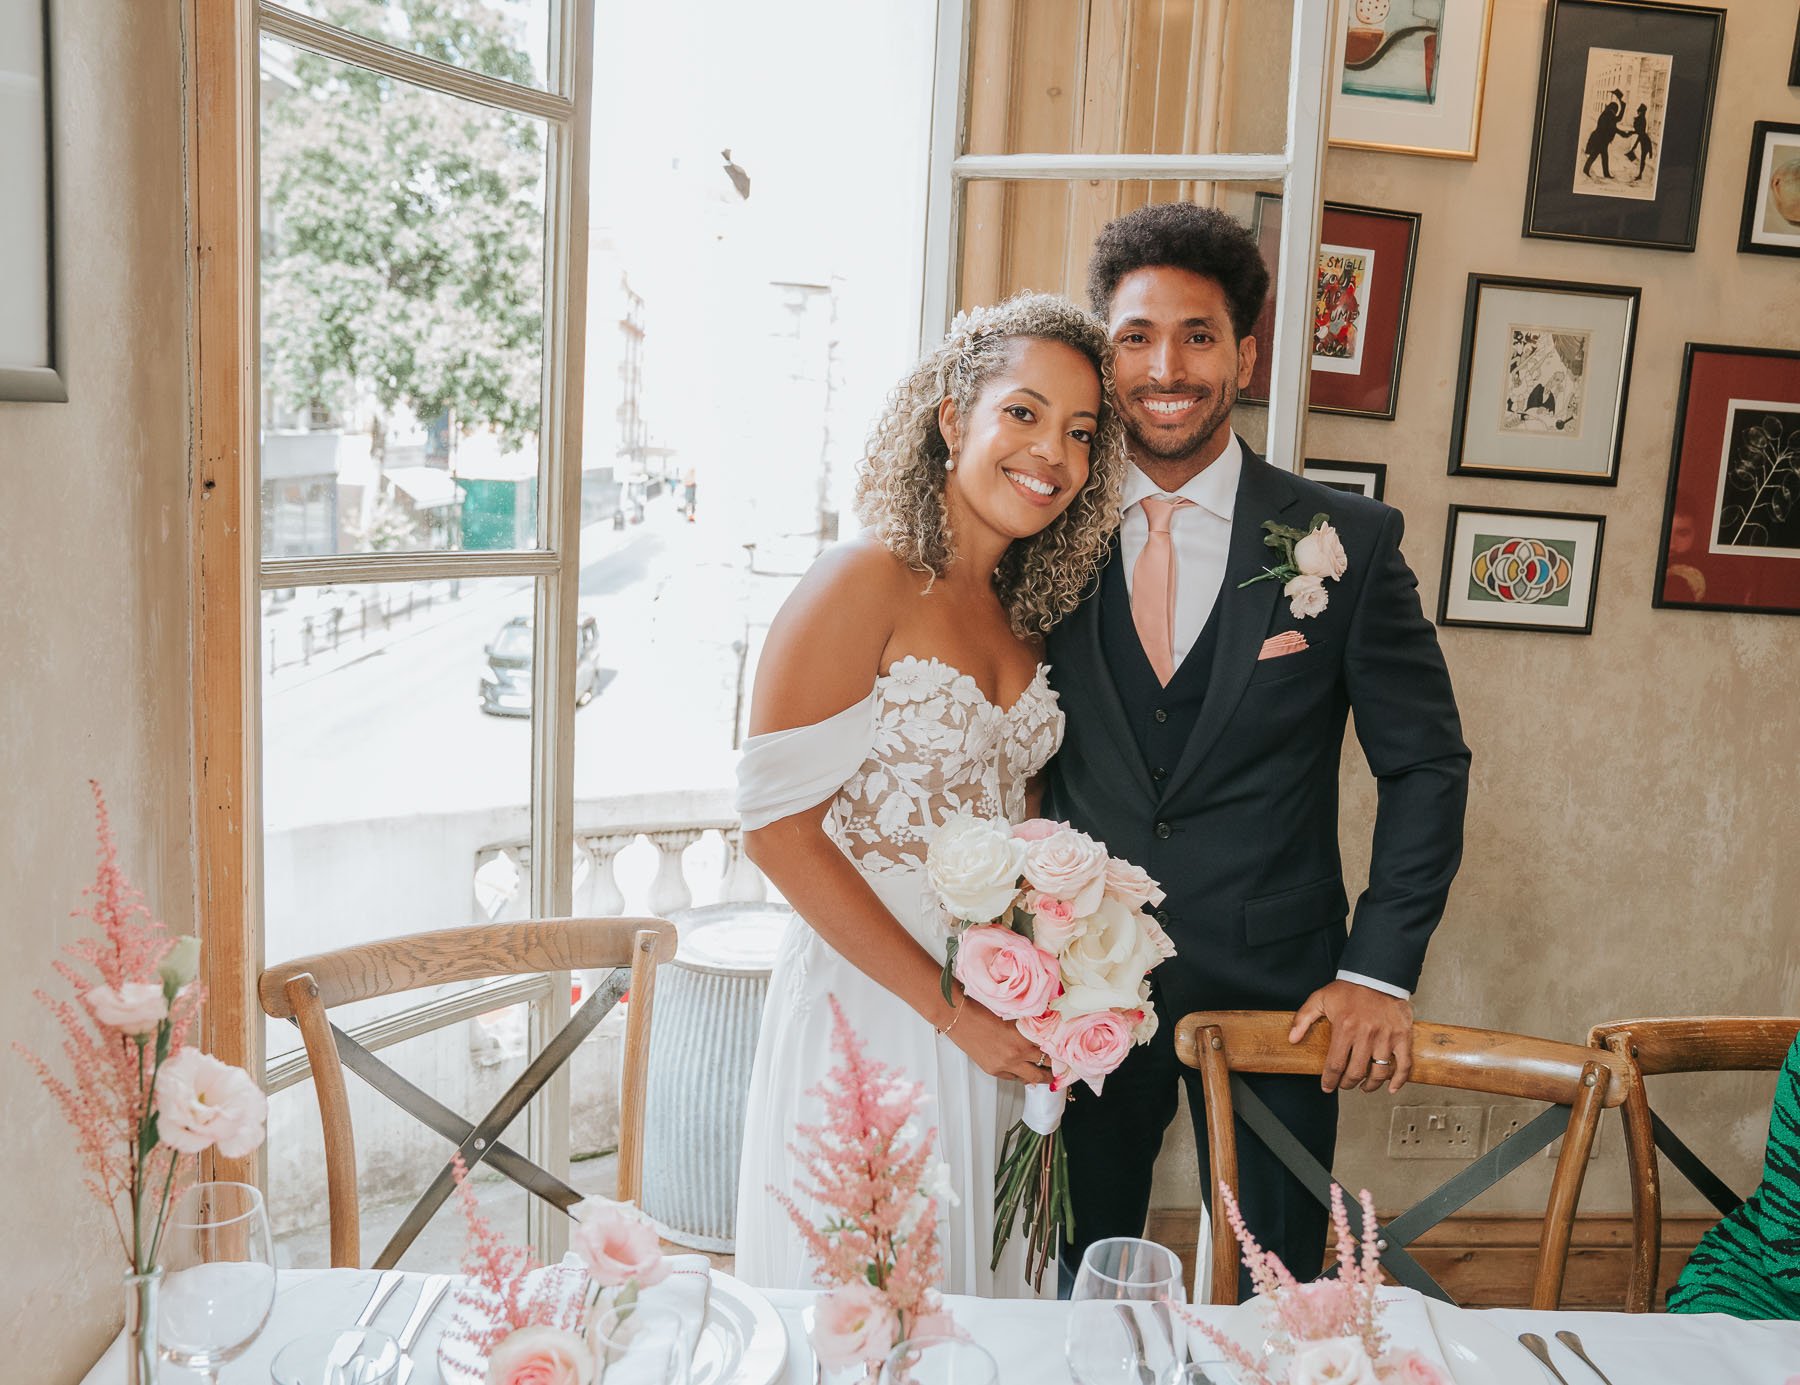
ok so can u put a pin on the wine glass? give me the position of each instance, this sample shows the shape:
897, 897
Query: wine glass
638, 1346
940, 1361
218, 1276
1122, 1321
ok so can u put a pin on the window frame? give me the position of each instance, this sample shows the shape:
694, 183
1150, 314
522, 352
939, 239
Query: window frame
1299, 168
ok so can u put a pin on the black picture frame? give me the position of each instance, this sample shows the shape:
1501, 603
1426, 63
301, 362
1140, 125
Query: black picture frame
1459, 465
1586, 627
1755, 188
1794, 64
1374, 475
1676, 48
41, 380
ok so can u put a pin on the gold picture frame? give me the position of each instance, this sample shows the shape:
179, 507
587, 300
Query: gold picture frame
1403, 91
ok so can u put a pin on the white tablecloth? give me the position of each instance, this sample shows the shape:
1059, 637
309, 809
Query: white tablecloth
1027, 1338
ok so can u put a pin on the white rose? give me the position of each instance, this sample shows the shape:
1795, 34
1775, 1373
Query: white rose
975, 864
132, 1007
1334, 1361
1104, 967
1321, 554
1306, 595
1070, 865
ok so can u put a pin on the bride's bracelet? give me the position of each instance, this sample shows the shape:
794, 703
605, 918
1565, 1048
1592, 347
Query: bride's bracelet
955, 1015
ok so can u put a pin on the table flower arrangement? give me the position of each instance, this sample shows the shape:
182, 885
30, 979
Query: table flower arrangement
143, 1102
872, 1170
1048, 929
529, 1324
1327, 1332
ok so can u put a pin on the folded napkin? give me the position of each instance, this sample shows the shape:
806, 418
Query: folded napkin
1408, 1325
683, 1293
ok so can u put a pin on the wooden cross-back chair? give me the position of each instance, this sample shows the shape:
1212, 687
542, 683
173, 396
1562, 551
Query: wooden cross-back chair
1578, 1082
1656, 1047
303, 990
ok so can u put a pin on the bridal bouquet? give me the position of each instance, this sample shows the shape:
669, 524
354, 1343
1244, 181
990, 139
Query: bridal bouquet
1049, 930
1327, 1332
873, 1173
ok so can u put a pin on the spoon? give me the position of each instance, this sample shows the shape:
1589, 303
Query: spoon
1573, 1343
1539, 1348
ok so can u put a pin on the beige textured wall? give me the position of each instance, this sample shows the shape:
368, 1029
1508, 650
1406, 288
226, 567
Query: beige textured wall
93, 629
1631, 841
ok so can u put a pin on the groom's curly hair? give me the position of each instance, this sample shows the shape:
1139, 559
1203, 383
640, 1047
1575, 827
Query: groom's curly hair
1181, 235
900, 482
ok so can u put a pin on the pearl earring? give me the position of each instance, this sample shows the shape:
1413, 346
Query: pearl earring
950, 462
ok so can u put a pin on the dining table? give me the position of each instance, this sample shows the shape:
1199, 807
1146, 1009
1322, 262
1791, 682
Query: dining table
1026, 1338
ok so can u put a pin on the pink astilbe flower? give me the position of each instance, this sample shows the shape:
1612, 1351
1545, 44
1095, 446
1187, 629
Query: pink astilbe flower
868, 1173
499, 1297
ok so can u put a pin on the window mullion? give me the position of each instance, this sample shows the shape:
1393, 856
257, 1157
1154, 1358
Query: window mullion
424, 566
943, 190
1248, 168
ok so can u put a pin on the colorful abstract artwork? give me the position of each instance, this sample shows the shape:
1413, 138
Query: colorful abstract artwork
1525, 572
1521, 570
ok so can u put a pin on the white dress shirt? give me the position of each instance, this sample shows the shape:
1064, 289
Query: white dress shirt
1200, 537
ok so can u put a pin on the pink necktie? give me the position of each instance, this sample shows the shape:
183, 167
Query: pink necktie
1153, 587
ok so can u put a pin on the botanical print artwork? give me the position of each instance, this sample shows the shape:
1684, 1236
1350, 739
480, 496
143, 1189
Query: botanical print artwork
1340, 297
1758, 506
1623, 109
1392, 49
1521, 572
1546, 381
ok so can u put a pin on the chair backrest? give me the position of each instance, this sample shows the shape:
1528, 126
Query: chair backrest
1654, 1047
1580, 1081
304, 989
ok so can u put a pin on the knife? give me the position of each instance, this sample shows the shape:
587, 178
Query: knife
435, 1285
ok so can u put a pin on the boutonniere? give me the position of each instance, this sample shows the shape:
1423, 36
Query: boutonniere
1311, 557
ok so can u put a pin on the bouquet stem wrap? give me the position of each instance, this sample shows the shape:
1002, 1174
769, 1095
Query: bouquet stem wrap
1034, 1176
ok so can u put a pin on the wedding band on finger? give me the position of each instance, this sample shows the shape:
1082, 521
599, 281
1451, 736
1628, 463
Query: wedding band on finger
1381, 1062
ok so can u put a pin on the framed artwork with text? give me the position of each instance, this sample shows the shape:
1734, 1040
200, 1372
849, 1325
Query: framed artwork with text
1731, 522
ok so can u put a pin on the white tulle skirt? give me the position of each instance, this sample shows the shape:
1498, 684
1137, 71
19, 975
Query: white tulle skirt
972, 1111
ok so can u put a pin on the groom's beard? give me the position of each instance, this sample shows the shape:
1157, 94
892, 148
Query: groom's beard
1166, 447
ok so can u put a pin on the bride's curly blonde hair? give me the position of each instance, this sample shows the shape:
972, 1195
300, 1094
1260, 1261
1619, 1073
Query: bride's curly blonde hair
900, 482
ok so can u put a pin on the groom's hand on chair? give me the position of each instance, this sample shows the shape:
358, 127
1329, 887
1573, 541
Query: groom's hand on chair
1365, 1025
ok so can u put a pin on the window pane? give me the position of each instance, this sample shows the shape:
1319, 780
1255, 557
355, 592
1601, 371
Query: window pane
1143, 77
402, 314
509, 39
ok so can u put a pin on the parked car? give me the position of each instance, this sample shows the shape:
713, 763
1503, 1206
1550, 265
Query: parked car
506, 681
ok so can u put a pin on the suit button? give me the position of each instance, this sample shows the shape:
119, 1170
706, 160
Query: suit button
1163, 830
1160, 715
1162, 917
1158, 775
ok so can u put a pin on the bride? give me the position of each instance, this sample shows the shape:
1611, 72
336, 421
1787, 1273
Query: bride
903, 680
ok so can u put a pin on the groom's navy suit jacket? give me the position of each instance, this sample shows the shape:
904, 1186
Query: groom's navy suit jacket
1240, 825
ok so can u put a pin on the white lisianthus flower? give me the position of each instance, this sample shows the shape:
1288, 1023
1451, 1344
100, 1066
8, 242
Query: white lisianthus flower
975, 864
1334, 1361
1306, 595
132, 1007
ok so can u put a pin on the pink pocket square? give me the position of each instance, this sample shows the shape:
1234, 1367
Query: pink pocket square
1287, 642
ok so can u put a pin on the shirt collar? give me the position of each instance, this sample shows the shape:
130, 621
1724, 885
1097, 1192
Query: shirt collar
1213, 490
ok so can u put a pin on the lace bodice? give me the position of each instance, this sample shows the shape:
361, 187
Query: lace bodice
938, 746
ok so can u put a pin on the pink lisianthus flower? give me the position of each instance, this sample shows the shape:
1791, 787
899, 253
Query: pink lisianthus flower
1006, 972
1410, 1368
201, 1102
1070, 865
541, 1356
617, 1245
1088, 1047
1306, 595
1131, 885
1053, 922
853, 1325
131, 1007
1037, 829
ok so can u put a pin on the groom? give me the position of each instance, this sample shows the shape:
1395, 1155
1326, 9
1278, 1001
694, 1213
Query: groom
1205, 729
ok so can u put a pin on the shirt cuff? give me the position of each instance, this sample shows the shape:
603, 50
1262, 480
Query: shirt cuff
1358, 979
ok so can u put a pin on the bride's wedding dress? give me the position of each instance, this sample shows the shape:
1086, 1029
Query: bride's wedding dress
924, 742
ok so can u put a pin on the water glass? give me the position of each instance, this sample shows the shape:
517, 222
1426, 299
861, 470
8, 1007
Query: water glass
640, 1346
940, 1361
1122, 1326
219, 1276
343, 1356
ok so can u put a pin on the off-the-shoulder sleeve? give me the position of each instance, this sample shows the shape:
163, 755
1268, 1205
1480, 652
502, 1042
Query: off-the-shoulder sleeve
782, 772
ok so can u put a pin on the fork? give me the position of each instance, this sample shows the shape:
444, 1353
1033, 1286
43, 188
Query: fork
435, 1284
1539, 1348
1573, 1343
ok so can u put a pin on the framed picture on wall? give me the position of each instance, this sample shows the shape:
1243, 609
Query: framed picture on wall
1540, 392
28, 347
1407, 77
1624, 113
1520, 570
1794, 63
1362, 288
1771, 224
1360, 478
1731, 523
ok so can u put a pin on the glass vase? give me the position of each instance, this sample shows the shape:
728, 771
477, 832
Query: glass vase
141, 1357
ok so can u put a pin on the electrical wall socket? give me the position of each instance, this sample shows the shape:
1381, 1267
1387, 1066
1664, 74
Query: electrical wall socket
1434, 1132
1504, 1118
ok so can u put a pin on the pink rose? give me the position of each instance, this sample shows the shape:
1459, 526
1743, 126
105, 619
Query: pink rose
1411, 1368
540, 1356
853, 1325
1334, 1361
1131, 885
1070, 865
1159, 940
1306, 595
1088, 1047
201, 1102
1321, 554
1004, 971
1053, 922
616, 1244
1037, 829
136, 1007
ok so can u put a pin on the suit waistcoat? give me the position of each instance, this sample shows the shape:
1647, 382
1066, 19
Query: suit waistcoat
1162, 718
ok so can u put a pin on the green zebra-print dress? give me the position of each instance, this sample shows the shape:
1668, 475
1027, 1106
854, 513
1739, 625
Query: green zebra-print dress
1749, 1264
